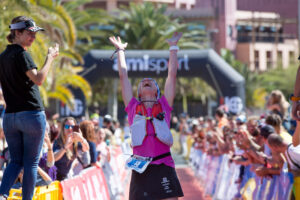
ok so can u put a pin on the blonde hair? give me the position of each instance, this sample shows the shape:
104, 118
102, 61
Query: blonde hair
277, 97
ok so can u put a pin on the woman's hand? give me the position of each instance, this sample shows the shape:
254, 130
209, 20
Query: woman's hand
77, 137
47, 141
53, 52
175, 38
118, 43
69, 142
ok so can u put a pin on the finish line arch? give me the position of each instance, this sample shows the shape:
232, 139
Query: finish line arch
204, 64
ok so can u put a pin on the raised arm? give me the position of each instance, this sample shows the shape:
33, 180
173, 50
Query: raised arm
170, 84
122, 68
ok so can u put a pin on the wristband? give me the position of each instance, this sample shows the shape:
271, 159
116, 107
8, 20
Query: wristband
293, 98
116, 51
174, 48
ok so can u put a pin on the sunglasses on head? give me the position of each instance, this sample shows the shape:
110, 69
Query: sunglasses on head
69, 126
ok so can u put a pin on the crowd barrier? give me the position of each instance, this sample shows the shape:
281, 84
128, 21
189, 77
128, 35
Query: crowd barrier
221, 179
106, 183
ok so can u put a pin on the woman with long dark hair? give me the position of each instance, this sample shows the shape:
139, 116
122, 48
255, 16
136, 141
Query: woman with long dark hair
66, 147
24, 119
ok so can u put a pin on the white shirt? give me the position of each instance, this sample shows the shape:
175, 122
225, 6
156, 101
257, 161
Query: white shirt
293, 153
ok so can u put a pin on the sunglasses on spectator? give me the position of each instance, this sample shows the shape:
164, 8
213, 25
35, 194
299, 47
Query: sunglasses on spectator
69, 126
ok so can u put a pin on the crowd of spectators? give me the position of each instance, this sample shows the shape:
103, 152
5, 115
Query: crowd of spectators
268, 143
70, 145
264, 142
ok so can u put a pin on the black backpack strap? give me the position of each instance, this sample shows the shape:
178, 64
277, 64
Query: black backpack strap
294, 163
161, 156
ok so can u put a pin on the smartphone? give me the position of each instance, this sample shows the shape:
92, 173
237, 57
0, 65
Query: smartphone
76, 128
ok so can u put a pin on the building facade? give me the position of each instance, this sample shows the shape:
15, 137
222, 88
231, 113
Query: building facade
111, 5
261, 33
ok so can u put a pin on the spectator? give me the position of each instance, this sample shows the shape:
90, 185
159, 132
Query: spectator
88, 131
277, 104
66, 147
184, 131
95, 119
118, 132
221, 118
24, 118
103, 150
275, 121
291, 153
107, 123
46, 163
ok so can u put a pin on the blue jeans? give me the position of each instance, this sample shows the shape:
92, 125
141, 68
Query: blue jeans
24, 133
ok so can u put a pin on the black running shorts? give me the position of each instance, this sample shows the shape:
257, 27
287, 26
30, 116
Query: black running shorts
156, 182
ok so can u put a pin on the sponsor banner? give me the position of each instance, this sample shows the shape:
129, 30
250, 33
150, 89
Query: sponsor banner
219, 179
119, 163
90, 184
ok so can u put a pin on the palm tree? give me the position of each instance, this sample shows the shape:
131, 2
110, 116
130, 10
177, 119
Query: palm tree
87, 22
145, 26
60, 28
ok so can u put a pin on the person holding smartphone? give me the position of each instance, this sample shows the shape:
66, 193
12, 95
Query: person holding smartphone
66, 147
24, 119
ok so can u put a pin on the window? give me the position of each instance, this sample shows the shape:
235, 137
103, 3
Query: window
256, 60
269, 60
279, 59
291, 57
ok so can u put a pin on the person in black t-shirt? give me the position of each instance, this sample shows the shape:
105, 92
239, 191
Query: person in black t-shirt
24, 119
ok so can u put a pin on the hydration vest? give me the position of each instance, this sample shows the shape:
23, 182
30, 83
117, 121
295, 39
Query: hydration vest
138, 128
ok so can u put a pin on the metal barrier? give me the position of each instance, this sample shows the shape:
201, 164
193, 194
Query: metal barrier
218, 177
91, 180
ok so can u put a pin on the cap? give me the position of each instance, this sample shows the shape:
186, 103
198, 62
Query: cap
94, 116
266, 130
107, 118
195, 122
241, 119
27, 25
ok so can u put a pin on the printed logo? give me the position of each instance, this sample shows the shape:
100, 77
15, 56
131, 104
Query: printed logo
166, 185
158, 65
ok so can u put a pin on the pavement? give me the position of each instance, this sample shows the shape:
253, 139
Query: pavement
191, 187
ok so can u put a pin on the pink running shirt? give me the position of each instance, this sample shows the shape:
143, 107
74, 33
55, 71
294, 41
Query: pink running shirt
151, 146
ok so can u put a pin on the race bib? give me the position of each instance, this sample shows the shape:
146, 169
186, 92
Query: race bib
138, 163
